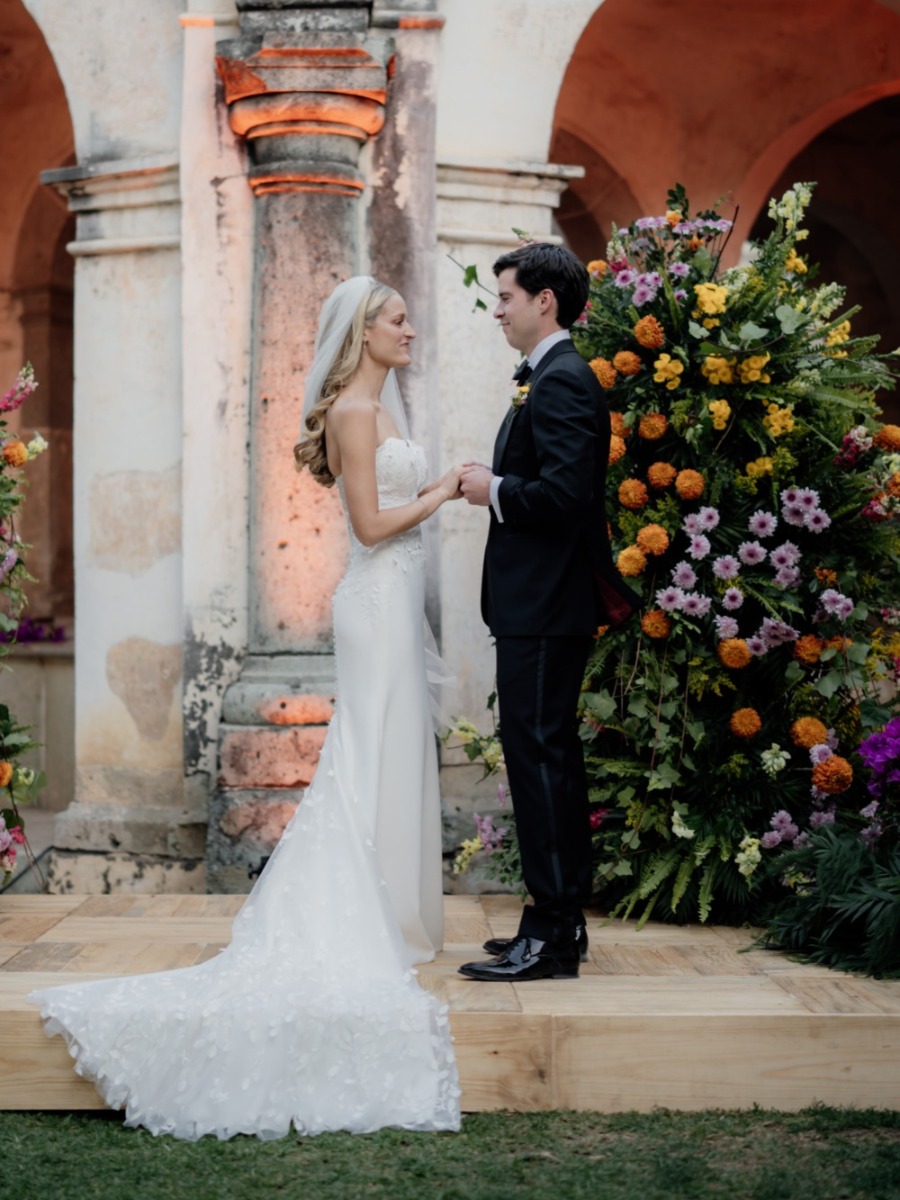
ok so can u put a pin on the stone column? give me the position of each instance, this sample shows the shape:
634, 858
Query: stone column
129, 826
305, 85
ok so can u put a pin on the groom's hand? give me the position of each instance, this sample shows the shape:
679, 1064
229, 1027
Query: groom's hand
475, 483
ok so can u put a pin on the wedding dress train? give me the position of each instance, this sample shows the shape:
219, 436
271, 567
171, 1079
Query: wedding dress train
312, 1017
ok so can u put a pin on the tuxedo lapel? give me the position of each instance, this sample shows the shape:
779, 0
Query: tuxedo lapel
502, 438
563, 347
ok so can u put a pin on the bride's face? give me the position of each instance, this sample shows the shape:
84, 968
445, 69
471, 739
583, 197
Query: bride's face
389, 335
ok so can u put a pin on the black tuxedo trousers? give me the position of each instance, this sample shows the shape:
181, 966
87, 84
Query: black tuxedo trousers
538, 683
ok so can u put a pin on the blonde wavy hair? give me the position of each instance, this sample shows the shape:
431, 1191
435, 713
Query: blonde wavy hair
311, 450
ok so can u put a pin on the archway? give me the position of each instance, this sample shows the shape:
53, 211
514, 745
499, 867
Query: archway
36, 314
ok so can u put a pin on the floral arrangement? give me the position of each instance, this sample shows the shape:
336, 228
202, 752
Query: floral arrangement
18, 784
752, 498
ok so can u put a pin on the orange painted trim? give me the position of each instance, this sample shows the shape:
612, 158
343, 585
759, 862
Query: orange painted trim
313, 52
306, 129
282, 177
194, 22
287, 188
421, 23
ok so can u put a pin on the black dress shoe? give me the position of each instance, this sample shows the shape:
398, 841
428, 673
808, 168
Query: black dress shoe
498, 946
528, 958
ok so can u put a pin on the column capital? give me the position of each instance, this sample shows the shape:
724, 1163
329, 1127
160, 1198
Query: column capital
305, 102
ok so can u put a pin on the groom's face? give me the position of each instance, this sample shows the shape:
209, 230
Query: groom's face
520, 314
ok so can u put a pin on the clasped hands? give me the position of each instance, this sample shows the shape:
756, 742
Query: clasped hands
471, 481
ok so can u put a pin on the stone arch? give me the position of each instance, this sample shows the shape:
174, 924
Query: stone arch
646, 102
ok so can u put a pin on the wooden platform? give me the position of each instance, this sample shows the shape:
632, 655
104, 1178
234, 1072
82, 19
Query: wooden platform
665, 1016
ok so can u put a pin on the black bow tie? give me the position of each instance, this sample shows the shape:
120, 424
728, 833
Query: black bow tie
522, 372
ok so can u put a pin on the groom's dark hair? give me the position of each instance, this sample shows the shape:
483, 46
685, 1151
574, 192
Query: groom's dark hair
541, 265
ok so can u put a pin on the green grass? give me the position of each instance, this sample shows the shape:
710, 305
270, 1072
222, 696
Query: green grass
818, 1154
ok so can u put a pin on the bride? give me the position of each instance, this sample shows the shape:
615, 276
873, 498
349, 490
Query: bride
312, 1016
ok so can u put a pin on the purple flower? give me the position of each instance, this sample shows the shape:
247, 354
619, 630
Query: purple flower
669, 599
684, 227
695, 605
763, 524
785, 555
726, 627
650, 279
642, 295
691, 523
817, 520
708, 518
783, 823
794, 514
774, 633
501, 795
836, 604
818, 819
871, 834
790, 495
770, 839
680, 294
870, 810
733, 598
722, 225
684, 575
650, 223
626, 278
679, 269
808, 499
751, 553
756, 646
820, 753
699, 547
787, 577
726, 566
831, 739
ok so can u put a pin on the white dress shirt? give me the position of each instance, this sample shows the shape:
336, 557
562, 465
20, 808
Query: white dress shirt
534, 358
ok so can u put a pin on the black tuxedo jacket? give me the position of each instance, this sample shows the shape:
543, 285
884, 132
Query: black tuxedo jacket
548, 568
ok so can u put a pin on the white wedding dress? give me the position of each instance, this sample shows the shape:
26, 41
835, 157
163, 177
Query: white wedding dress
312, 1017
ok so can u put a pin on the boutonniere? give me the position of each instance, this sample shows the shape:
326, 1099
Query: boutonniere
520, 395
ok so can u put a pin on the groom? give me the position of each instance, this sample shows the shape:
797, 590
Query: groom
548, 582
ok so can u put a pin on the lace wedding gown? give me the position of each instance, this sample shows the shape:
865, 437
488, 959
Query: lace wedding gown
312, 1016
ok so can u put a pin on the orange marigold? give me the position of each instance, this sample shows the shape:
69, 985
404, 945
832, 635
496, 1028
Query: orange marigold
632, 494
653, 539
808, 649
834, 775
619, 425
660, 475
887, 437
604, 370
826, 575
649, 333
601, 629
626, 362
15, 453
652, 426
808, 732
689, 484
893, 485
838, 643
745, 723
616, 448
597, 267
734, 653
631, 561
6, 773
656, 624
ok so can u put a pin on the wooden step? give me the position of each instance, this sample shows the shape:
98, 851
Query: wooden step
677, 1017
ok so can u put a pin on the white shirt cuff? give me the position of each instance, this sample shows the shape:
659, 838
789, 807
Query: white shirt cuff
495, 497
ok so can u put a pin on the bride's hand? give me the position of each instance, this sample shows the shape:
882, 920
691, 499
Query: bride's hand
449, 483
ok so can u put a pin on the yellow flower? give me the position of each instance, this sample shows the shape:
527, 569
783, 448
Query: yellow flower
795, 263
721, 411
717, 369
467, 852
779, 420
839, 334
759, 466
667, 371
711, 298
631, 561
751, 369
